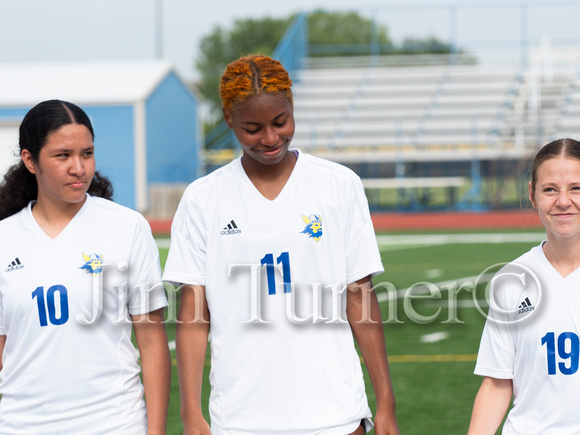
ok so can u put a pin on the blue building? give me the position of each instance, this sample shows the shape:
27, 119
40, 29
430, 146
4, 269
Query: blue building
146, 120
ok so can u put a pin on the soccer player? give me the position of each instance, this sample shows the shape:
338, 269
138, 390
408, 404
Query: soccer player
264, 249
78, 273
530, 345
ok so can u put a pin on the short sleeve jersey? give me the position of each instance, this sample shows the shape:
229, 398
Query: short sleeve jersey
68, 365
532, 337
282, 353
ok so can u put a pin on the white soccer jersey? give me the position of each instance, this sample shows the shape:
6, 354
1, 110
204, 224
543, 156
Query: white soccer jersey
276, 369
536, 344
67, 366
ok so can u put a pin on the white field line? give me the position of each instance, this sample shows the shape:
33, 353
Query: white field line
421, 289
434, 337
396, 242
461, 303
163, 243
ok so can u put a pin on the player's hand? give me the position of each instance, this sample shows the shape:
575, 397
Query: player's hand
386, 425
197, 427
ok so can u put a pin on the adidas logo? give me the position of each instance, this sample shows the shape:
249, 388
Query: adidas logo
15, 265
525, 306
230, 228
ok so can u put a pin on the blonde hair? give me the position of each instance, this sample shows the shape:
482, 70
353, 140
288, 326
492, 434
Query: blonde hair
253, 75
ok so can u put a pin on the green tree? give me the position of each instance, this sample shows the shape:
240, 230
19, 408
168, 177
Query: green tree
248, 36
423, 46
343, 33
223, 46
330, 33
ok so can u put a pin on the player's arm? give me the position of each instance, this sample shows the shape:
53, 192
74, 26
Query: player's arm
364, 316
2, 341
155, 367
491, 404
191, 339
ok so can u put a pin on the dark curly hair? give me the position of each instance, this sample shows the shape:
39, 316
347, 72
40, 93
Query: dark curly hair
19, 186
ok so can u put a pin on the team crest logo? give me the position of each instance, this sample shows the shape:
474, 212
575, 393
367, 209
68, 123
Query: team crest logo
313, 226
93, 264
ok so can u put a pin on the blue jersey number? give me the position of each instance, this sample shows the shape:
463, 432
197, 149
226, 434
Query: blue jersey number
50, 304
566, 340
284, 259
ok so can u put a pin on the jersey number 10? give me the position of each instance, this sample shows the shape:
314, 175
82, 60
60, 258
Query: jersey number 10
51, 304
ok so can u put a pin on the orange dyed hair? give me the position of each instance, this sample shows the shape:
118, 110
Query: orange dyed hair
253, 75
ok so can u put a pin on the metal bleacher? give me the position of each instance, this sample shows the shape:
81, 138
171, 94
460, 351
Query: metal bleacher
411, 127
409, 123
437, 111
549, 102
567, 119
350, 113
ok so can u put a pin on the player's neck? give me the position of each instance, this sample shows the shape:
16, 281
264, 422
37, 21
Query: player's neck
53, 218
269, 180
563, 254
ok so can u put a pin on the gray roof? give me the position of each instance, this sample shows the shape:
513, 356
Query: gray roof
114, 82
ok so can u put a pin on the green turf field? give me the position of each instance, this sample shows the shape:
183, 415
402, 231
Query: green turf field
431, 362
